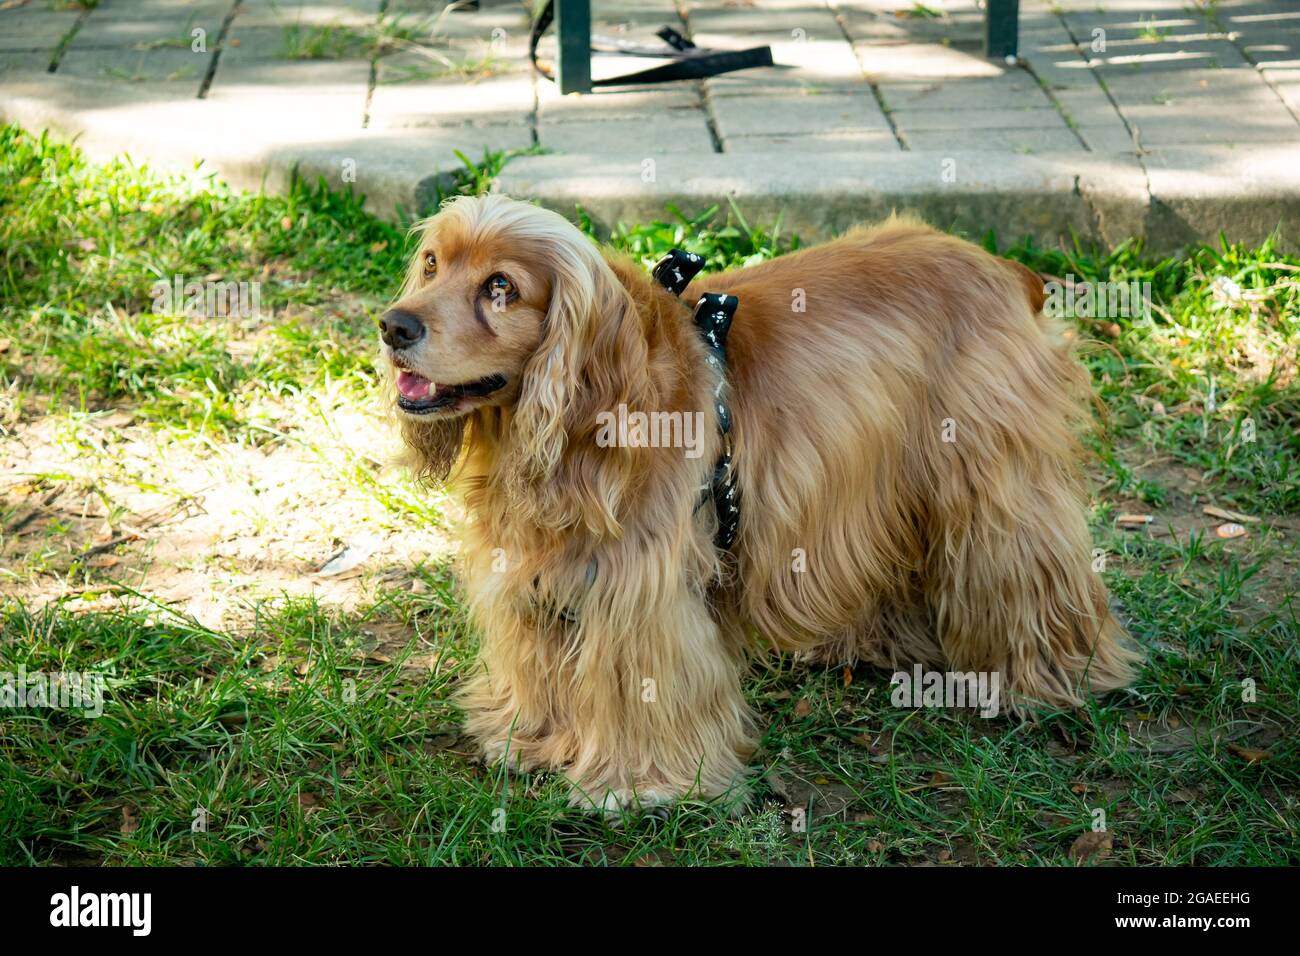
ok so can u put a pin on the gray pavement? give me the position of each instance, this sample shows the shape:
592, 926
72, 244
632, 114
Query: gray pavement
1165, 119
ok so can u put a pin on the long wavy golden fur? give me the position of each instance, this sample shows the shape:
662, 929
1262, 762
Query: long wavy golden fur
905, 425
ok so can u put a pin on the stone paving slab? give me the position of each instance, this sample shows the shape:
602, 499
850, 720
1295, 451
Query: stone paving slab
114, 29
924, 61
1287, 85
1163, 119
1023, 141
969, 120
786, 113
309, 13
167, 11
24, 61
793, 23
499, 100
253, 43
322, 112
33, 28
1107, 138
1158, 128
623, 102
679, 132
1011, 91
817, 64
288, 78
833, 141
183, 68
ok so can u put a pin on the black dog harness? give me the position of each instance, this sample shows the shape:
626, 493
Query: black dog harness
713, 315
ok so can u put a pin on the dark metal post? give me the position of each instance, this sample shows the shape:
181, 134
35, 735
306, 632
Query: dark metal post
1001, 28
573, 33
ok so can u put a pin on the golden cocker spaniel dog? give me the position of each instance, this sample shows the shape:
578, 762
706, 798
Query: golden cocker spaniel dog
904, 423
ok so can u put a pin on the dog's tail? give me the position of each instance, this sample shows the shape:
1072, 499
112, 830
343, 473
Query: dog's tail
1067, 346
1032, 282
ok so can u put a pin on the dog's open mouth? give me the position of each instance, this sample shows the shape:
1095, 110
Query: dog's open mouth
419, 396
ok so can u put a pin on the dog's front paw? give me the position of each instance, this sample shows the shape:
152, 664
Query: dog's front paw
517, 757
654, 799
616, 803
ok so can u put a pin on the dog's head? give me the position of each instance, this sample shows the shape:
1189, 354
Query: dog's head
508, 310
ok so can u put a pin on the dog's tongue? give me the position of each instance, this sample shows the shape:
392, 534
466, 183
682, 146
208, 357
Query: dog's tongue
413, 386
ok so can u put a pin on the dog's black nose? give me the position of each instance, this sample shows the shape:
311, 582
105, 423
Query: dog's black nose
399, 329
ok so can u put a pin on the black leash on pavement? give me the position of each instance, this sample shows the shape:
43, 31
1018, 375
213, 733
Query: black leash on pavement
689, 62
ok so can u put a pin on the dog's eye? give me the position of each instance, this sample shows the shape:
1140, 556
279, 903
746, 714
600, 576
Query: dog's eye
499, 286
430, 263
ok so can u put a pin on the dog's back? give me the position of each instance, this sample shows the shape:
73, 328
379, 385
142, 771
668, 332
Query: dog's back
906, 425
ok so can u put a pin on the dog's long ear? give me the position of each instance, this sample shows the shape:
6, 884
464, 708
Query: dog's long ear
592, 358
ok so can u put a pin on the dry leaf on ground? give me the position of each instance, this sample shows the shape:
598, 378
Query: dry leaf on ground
1092, 847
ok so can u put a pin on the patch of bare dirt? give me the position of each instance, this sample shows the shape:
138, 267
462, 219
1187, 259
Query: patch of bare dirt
90, 500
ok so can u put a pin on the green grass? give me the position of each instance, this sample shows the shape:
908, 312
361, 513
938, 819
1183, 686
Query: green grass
336, 41
318, 730
85, 245
920, 11
1150, 32
329, 42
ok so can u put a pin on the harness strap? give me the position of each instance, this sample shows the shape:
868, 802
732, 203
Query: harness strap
690, 62
713, 315
676, 270
712, 318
